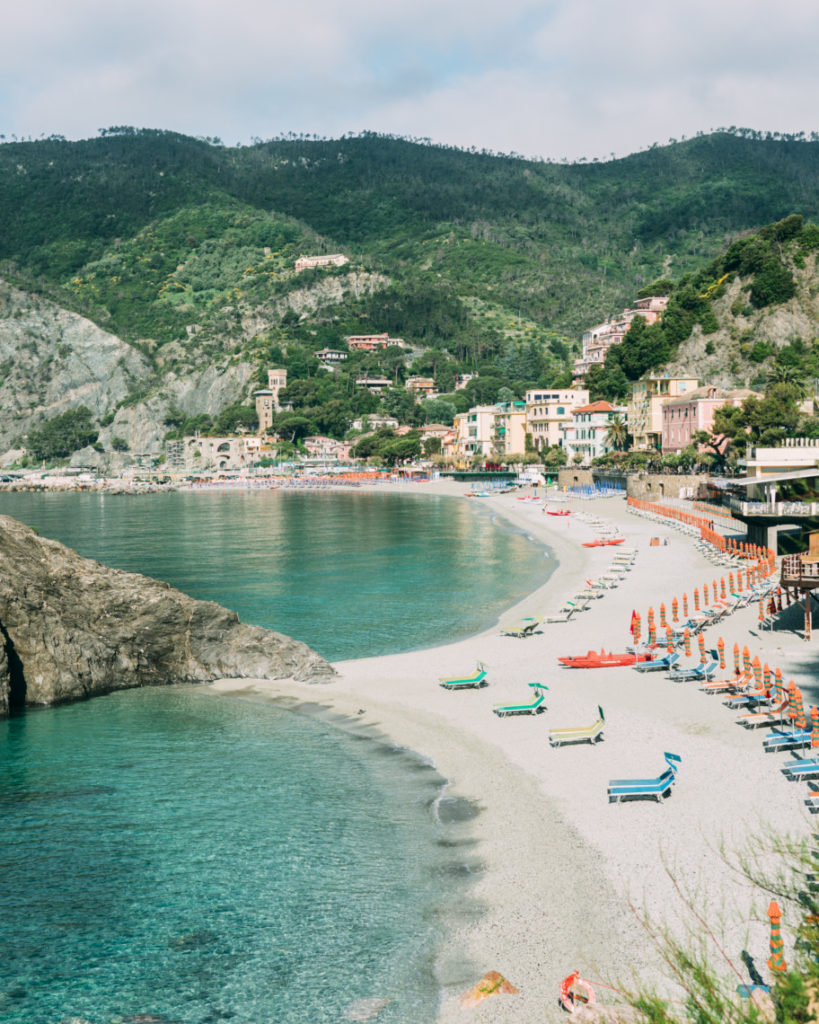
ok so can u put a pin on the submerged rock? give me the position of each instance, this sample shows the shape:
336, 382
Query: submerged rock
71, 628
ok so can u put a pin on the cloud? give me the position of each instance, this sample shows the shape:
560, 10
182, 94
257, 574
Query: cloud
559, 78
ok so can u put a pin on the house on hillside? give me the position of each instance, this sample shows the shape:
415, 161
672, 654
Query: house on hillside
337, 259
599, 339
372, 342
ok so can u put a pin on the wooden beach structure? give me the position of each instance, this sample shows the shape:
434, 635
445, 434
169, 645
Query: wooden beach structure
799, 577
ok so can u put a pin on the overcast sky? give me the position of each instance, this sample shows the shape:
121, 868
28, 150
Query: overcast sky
550, 78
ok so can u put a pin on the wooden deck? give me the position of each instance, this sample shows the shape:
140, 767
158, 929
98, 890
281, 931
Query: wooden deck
799, 577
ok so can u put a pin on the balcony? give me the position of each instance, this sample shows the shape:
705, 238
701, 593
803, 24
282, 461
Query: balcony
765, 508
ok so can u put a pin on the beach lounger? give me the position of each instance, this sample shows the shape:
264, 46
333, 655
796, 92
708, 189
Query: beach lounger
468, 682
790, 740
586, 734
659, 664
802, 768
523, 627
534, 708
733, 685
812, 799
770, 716
702, 671
622, 789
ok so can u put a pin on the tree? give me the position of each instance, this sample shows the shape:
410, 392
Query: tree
554, 456
236, 419
62, 435
292, 427
119, 444
790, 376
617, 436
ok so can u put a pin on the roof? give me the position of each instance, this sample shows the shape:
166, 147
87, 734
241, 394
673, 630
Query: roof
772, 478
596, 407
705, 392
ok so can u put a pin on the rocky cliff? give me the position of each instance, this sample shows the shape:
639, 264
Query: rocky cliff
71, 628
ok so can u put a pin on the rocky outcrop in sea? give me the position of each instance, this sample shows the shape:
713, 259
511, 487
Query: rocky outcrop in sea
71, 628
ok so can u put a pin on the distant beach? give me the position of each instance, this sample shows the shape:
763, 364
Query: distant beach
566, 875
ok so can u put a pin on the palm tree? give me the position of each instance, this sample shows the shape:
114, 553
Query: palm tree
783, 373
617, 436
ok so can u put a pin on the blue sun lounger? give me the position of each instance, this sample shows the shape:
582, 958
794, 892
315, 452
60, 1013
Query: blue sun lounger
659, 664
622, 789
802, 768
705, 670
790, 740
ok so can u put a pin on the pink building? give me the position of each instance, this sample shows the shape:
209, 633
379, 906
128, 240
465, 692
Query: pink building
598, 340
684, 415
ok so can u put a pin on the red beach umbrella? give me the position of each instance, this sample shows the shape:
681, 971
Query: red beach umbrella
777, 946
687, 641
675, 610
701, 642
721, 652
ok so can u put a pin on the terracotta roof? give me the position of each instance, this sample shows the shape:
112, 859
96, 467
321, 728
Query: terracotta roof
595, 407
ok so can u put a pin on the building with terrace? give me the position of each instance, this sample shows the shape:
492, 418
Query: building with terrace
337, 259
589, 431
549, 414
372, 342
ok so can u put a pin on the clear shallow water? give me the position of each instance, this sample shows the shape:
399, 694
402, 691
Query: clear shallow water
351, 574
205, 859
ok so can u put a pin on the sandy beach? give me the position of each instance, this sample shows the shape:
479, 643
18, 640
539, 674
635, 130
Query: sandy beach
564, 876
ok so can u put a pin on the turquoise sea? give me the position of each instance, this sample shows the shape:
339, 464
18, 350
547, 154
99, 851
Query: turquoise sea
172, 856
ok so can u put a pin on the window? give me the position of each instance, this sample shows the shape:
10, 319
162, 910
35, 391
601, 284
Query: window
561, 411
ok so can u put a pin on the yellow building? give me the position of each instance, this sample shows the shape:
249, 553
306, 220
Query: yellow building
645, 408
549, 413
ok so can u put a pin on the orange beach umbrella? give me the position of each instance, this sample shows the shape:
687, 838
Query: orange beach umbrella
675, 610
814, 726
669, 639
635, 627
696, 599
721, 652
687, 641
685, 606
705, 594
777, 946
701, 642
663, 623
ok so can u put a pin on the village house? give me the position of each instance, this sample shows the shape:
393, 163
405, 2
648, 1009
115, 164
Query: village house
374, 384
587, 436
309, 262
327, 449
374, 422
372, 342
599, 339
329, 357
424, 387
645, 408
683, 416
549, 413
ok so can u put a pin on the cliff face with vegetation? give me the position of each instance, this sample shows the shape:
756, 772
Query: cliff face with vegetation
72, 629
182, 254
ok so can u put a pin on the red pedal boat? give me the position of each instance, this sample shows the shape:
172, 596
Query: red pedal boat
559, 512
592, 543
614, 540
603, 659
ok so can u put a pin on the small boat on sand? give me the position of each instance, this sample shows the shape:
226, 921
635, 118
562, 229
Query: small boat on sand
606, 659
558, 511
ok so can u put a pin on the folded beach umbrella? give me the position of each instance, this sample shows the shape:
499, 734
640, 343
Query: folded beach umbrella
722, 591
705, 594
814, 726
652, 630
799, 722
669, 639
675, 610
663, 623
779, 599
746, 660
701, 642
756, 665
766, 676
777, 946
736, 659
635, 627
761, 615
696, 599
779, 689
685, 606
687, 641
721, 652
731, 582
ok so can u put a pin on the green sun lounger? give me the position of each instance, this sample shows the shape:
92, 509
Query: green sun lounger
535, 708
622, 789
469, 682
585, 734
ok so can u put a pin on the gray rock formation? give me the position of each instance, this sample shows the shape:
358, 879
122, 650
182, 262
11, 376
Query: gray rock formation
71, 628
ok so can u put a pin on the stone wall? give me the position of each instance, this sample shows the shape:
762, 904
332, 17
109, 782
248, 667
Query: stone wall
660, 486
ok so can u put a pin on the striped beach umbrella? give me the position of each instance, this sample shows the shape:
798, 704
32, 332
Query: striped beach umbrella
675, 610
669, 640
685, 606
722, 590
663, 623
696, 599
777, 946
779, 689
635, 627
799, 721
746, 660
705, 594
736, 659
701, 642
687, 642
756, 665
731, 582
721, 652
766, 676
652, 629
814, 726
779, 599
761, 615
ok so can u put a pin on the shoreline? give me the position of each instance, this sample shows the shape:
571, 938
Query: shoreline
563, 868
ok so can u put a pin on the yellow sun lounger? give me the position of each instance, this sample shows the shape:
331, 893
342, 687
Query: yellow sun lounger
586, 734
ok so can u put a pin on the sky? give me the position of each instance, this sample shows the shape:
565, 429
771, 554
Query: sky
543, 78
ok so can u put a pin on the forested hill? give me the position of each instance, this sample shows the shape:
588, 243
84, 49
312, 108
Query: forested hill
559, 244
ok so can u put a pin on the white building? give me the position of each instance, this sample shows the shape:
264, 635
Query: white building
590, 427
337, 259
